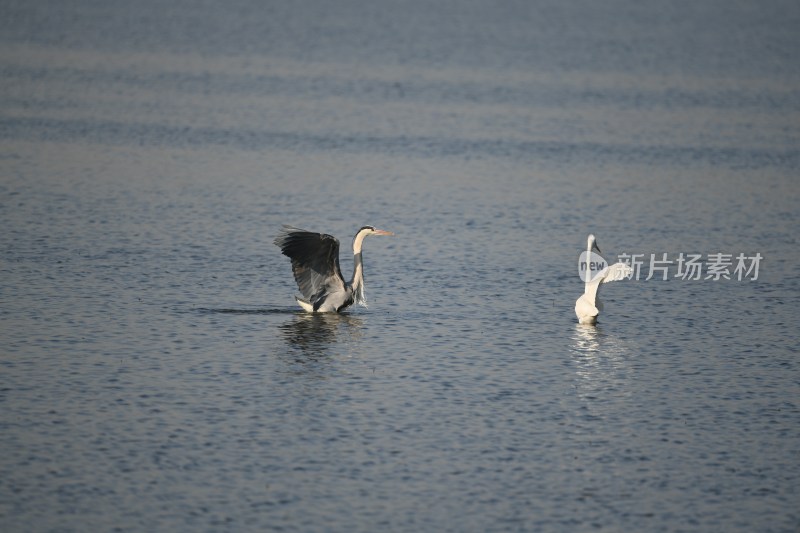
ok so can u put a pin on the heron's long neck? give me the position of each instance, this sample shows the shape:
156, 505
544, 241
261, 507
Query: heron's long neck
358, 268
358, 272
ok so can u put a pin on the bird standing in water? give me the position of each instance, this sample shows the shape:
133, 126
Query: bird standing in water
588, 306
315, 264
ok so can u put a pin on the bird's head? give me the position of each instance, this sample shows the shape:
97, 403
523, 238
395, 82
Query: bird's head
363, 232
592, 244
372, 230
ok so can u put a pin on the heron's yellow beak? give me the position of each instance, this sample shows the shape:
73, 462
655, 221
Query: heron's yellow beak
382, 232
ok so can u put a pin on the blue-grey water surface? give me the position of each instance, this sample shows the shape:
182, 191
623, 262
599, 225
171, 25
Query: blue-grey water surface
156, 375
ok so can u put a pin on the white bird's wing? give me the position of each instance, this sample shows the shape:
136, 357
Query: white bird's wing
616, 272
315, 261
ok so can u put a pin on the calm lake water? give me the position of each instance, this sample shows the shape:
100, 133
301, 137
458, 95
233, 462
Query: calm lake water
156, 375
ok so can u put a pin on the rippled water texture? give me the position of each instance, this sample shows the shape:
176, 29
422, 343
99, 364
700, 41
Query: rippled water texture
156, 374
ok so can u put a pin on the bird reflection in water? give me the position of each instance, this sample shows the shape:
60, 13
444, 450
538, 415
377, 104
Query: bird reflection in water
315, 334
602, 368
585, 339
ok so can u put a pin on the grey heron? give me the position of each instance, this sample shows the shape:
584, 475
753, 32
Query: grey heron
588, 306
315, 264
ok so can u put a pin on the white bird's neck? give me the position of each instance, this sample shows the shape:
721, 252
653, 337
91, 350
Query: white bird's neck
591, 286
590, 290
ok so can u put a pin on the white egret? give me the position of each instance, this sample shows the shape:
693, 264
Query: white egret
588, 306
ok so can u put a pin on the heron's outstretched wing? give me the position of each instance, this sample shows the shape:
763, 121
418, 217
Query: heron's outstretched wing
315, 261
616, 272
